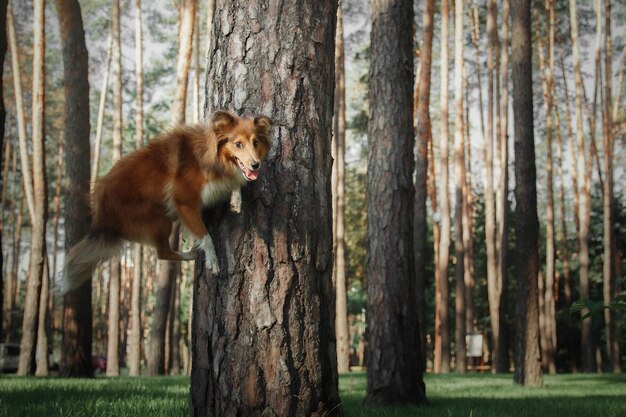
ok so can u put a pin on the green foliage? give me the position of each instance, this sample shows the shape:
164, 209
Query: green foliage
596, 308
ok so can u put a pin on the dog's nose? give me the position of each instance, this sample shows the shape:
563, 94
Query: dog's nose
256, 165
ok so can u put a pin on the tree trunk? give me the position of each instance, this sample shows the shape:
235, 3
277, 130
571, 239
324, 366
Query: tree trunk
494, 283
77, 315
587, 345
394, 374
113, 334
444, 242
502, 194
424, 136
100, 122
3, 114
468, 260
41, 352
169, 270
608, 268
546, 295
272, 308
38, 221
341, 312
459, 162
527, 355
173, 367
134, 342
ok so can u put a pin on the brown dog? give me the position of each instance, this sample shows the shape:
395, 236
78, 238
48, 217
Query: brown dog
171, 179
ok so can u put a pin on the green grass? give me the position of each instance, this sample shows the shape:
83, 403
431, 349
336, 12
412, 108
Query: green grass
473, 395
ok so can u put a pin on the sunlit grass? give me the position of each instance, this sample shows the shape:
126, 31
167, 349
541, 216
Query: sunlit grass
579, 395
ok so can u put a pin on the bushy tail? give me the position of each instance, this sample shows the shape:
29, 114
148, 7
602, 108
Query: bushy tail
83, 258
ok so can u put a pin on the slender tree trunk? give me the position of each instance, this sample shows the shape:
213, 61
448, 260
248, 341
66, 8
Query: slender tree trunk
459, 162
3, 114
169, 270
444, 242
546, 294
468, 260
276, 257
618, 89
424, 136
494, 283
587, 345
113, 334
502, 216
41, 353
608, 268
174, 333
103, 96
38, 221
134, 342
341, 311
527, 355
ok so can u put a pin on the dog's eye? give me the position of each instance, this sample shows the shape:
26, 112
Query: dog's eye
239, 145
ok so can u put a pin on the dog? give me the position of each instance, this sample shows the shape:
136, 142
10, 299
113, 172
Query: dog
170, 180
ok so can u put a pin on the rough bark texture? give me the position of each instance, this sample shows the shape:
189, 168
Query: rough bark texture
527, 356
442, 358
341, 311
38, 218
263, 331
3, 114
77, 330
424, 136
393, 356
459, 163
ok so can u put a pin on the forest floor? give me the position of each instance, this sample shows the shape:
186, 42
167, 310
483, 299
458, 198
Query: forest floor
475, 395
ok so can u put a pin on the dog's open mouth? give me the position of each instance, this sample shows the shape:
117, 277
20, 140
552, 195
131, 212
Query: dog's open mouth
249, 174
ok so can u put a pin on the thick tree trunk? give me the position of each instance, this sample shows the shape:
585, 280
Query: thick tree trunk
424, 136
341, 312
444, 242
272, 308
77, 315
393, 356
38, 220
459, 162
527, 355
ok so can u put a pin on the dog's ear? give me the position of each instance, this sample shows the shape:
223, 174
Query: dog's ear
263, 124
222, 120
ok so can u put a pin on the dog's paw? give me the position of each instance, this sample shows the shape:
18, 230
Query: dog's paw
211, 264
235, 202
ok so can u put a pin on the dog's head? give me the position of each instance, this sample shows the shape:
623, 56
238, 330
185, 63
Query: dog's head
242, 142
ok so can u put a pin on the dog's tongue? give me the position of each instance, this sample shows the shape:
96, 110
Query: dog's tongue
252, 175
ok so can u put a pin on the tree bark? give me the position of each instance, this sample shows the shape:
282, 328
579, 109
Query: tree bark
608, 267
169, 270
3, 114
77, 314
38, 221
341, 311
113, 334
527, 355
444, 242
459, 162
468, 260
134, 342
494, 282
394, 374
100, 122
272, 308
424, 136
587, 345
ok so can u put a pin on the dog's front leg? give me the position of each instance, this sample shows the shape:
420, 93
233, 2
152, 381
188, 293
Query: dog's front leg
210, 257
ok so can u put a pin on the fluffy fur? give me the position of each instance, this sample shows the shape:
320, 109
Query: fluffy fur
171, 179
